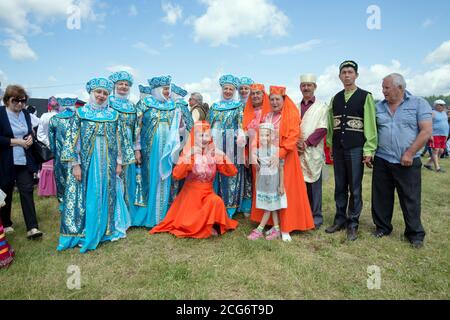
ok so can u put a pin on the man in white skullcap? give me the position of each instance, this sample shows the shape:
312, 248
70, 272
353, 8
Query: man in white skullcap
311, 144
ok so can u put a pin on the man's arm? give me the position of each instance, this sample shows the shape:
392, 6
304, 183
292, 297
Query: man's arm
330, 125
426, 130
370, 128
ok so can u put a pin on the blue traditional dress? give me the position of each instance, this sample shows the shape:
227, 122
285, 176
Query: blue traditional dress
58, 126
128, 117
72, 212
225, 118
97, 141
159, 122
177, 95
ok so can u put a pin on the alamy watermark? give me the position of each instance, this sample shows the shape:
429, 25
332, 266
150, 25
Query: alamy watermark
74, 280
373, 277
73, 21
374, 19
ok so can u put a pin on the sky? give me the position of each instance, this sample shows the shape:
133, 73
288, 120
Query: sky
53, 47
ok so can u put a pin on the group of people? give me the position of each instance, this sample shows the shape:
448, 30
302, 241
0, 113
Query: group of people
119, 165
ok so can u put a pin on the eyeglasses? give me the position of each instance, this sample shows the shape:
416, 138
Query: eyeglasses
17, 101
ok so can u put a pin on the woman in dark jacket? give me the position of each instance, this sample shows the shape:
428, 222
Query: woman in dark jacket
17, 165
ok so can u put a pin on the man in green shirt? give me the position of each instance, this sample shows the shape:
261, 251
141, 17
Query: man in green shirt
352, 137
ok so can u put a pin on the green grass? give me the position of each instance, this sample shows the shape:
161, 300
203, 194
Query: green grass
314, 266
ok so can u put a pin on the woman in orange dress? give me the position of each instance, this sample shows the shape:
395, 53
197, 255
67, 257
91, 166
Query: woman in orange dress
197, 211
257, 107
286, 119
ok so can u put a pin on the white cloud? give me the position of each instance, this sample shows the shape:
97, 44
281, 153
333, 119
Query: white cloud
301, 47
432, 82
441, 55
173, 13
227, 19
18, 47
133, 11
26, 17
52, 79
146, 48
122, 67
208, 87
370, 79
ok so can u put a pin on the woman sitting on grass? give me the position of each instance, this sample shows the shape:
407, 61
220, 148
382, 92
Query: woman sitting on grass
197, 211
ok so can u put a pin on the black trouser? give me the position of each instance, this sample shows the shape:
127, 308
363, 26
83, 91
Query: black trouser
315, 200
387, 177
348, 175
25, 184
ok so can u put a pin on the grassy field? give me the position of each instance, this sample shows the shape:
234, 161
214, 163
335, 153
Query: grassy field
314, 266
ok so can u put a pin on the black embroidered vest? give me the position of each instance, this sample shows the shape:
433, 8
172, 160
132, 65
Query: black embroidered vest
348, 127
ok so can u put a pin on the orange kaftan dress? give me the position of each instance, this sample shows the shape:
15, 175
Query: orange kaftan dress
197, 209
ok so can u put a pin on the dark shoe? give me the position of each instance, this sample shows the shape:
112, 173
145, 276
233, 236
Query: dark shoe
352, 234
417, 244
317, 227
335, 228
380, 234
440, 170
426, 166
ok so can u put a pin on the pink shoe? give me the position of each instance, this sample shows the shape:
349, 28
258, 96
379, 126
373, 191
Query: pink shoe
255, 235
274, 234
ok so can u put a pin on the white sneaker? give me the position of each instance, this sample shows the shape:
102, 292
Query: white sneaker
9, 230
286, 237
34, 234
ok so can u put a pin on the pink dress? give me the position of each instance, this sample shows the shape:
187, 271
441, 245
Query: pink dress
47, 183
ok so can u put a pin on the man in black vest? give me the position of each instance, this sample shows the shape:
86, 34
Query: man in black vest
352, 138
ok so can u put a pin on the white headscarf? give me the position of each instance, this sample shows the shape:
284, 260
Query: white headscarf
157, 93
175, 97
120, 96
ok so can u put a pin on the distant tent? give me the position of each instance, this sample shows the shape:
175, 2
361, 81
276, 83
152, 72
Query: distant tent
41, 105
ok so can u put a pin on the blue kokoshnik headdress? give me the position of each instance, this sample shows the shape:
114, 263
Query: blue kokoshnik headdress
157, 82
99, 83
67, 102
121, 76
245, 81
179, 91
229, 79
145, 89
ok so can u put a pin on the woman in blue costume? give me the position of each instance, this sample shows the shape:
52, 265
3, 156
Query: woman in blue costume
119, 101
177, 95
72, 222
160, 124
57, 129
225, 118
96, 147
72, 212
